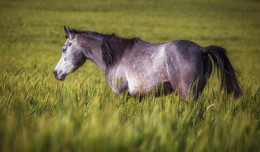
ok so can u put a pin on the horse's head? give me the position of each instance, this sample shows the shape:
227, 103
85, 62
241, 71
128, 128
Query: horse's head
72, 56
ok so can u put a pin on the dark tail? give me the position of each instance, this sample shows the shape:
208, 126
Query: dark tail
229, 79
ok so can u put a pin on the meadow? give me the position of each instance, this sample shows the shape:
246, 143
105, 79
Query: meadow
39, 113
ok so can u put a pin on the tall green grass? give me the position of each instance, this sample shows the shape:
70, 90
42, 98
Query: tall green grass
39, 113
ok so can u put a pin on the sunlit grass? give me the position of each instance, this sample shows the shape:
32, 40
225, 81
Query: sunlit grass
39, 113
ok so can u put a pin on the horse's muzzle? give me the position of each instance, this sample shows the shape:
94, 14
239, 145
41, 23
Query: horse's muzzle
62, 77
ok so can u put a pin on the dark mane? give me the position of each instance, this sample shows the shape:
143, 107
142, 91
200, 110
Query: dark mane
113, 46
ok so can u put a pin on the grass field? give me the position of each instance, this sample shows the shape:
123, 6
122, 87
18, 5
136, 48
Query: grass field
39, 113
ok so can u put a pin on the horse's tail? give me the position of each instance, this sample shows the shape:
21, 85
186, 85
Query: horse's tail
229, 79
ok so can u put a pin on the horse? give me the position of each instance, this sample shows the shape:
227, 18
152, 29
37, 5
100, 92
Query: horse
137, 67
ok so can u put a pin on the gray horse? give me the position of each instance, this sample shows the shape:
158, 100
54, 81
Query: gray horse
137, 67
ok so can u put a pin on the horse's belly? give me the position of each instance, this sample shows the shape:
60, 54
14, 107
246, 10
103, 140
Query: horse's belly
146, 85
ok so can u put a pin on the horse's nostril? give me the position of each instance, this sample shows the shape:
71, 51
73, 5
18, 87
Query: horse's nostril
55, 73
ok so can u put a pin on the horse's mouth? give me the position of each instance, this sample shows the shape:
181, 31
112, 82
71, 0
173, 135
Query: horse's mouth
61, 78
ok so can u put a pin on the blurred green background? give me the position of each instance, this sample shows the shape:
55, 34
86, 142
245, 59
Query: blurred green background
39, 113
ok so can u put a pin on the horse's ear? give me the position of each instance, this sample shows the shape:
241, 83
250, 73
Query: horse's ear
69, 34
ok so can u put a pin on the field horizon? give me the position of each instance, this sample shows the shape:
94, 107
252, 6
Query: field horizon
39, 113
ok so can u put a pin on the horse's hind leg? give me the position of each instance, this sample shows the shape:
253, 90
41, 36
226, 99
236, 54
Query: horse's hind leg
180, 86
190, 86
184, 89
189, 89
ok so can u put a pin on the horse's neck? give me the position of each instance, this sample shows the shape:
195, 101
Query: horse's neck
96, 57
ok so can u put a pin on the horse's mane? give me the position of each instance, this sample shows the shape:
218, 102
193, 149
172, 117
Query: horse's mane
113, 47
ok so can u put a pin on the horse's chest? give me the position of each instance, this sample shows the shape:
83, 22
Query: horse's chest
116, 80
